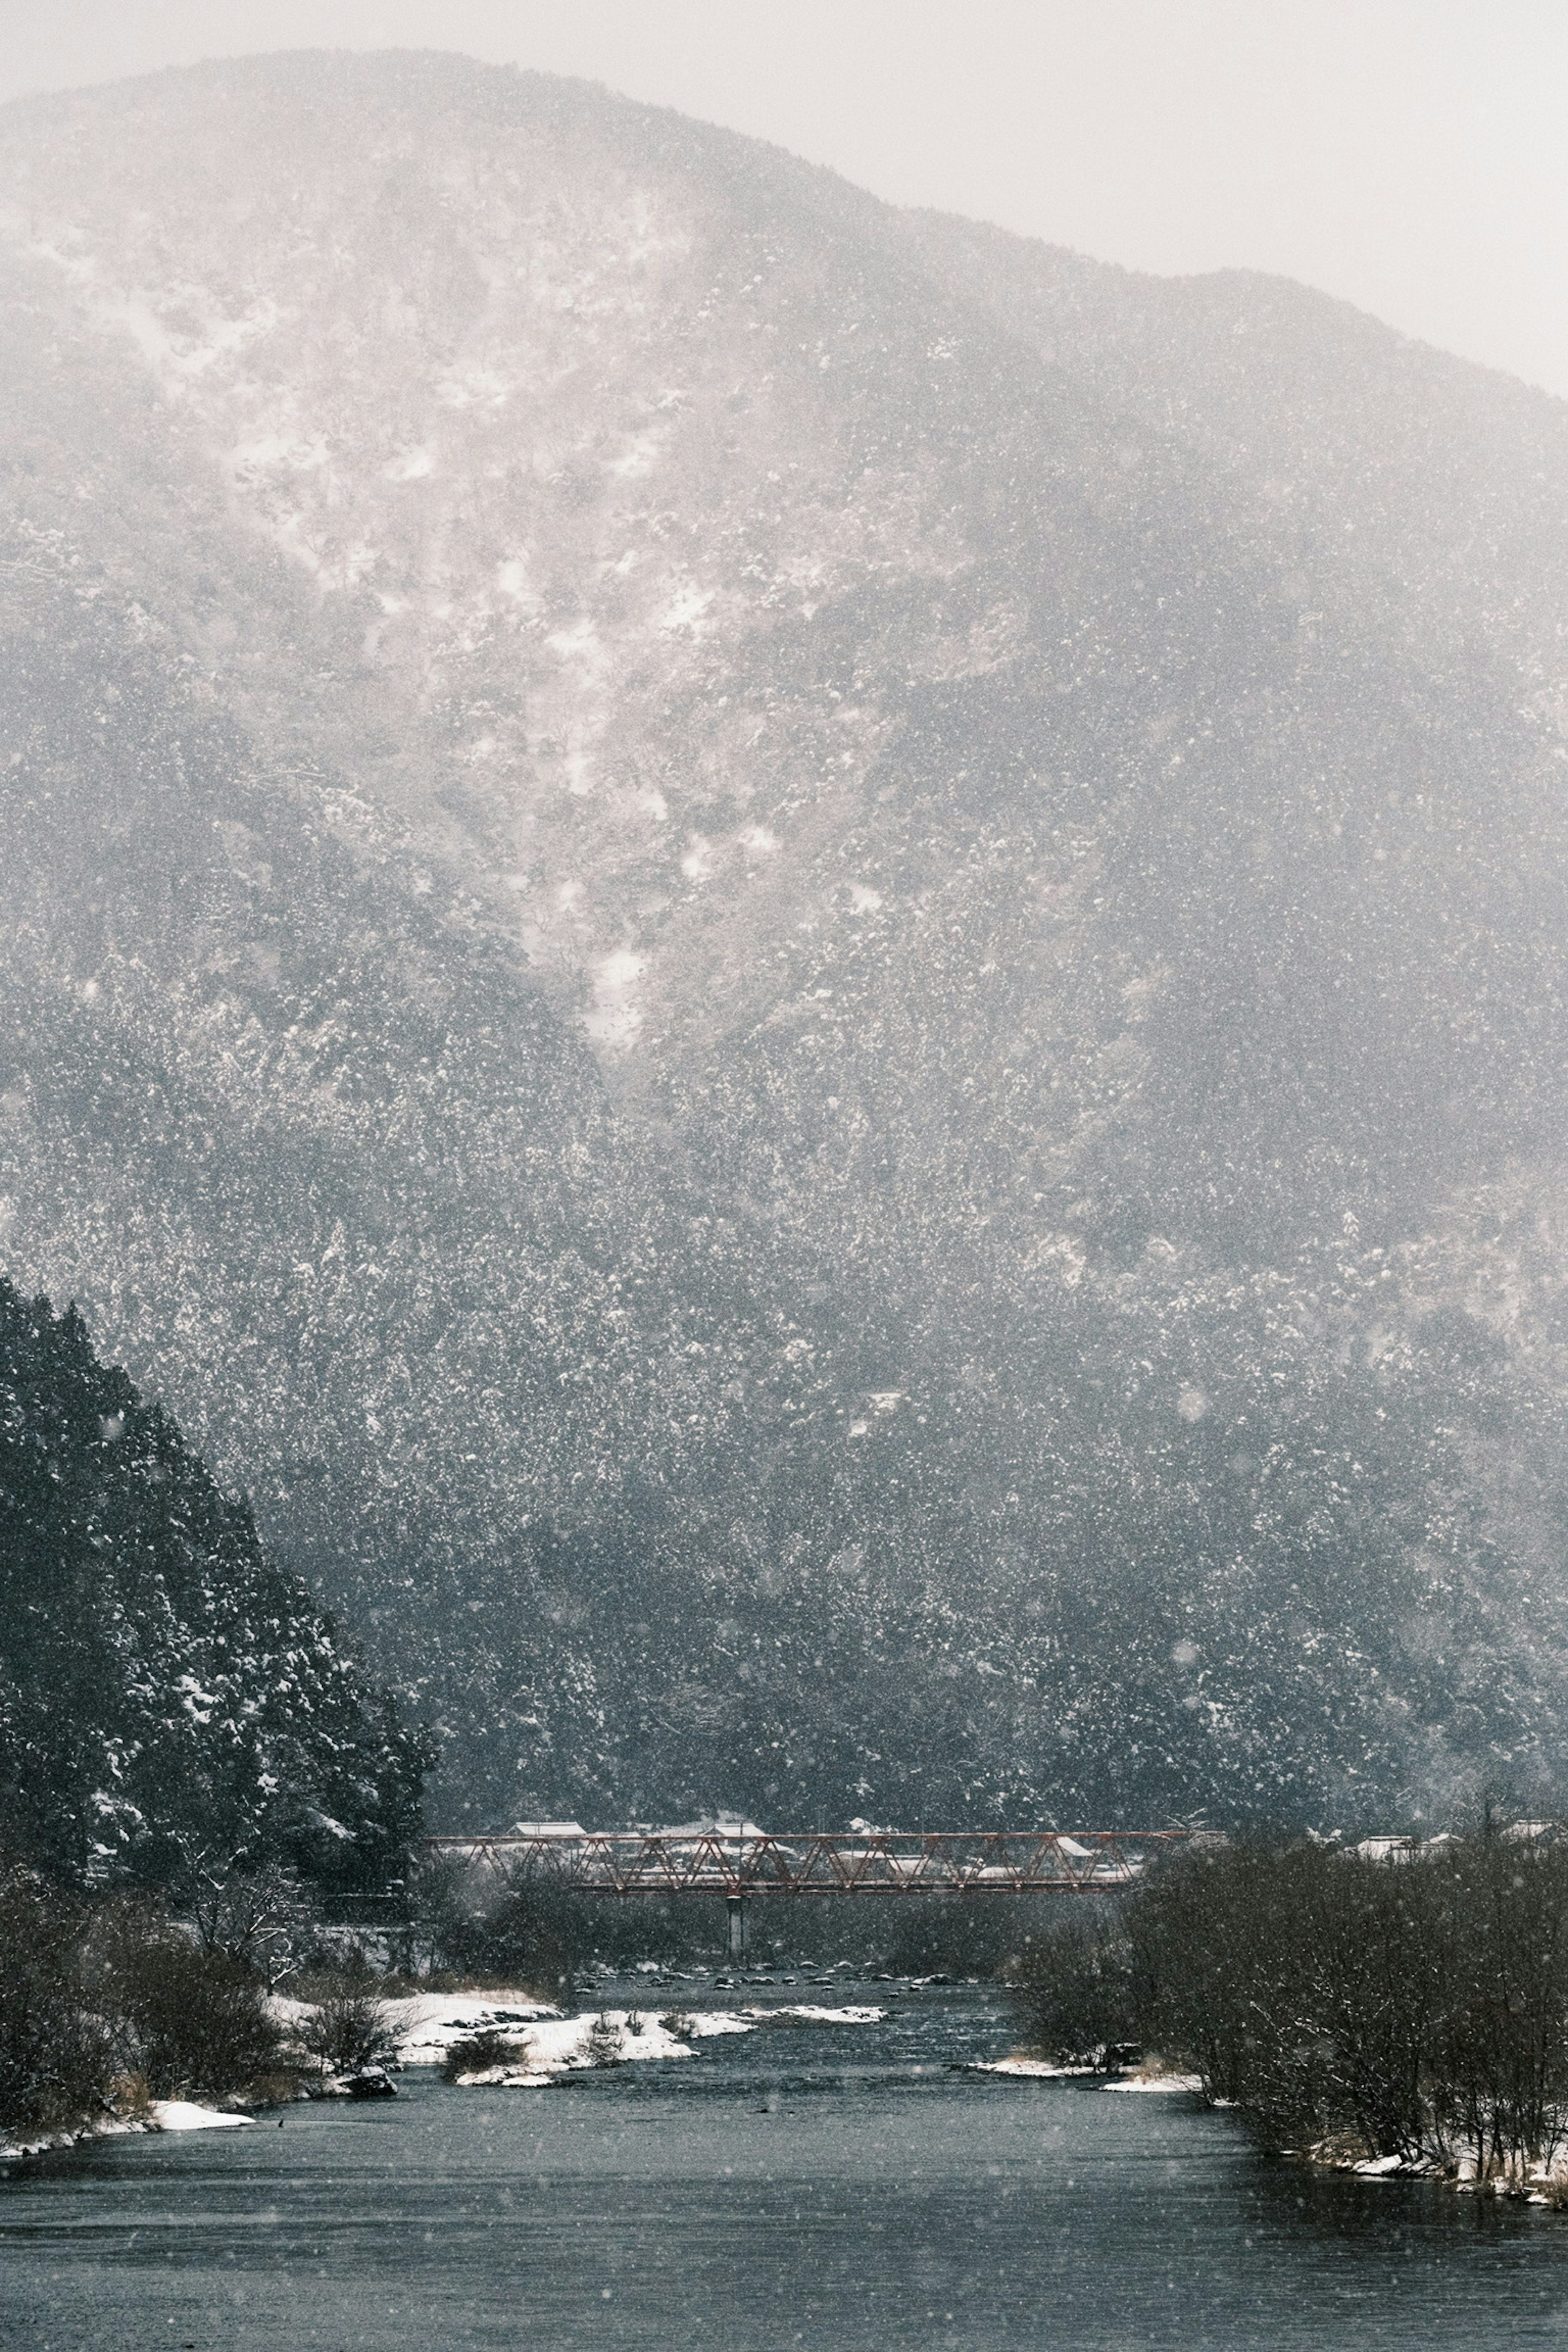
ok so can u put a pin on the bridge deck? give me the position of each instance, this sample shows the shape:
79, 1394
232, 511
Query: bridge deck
879, 1861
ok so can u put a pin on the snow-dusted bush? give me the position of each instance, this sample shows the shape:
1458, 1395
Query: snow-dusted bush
100, 2006
264, 1917
1074, 1981
348, 2030
1414, 2005
190, 2023
478, 2052
57, 2057
606, 2045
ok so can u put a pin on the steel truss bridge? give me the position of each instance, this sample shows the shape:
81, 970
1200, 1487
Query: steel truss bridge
740, 1864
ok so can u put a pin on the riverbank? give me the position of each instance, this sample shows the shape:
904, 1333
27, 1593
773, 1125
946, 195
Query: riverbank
156, 2116
543, 2045
547, 2044
1534, 2185
1391, 2009
852, 2186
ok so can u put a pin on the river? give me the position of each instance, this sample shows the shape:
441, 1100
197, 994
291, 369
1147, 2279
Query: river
839, 2188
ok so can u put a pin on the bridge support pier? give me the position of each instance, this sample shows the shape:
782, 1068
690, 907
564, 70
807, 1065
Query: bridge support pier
738, 1927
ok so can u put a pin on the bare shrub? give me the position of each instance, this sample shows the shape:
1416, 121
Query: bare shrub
58, 2060
349, 2029
104, 2007
131, 2095
604, 2042
1075, 1984
524, 1933
262, 1918
1499, 2054
1414, 2005
190, 2023
478, 2052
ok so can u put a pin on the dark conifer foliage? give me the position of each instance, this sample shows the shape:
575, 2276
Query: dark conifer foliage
167, 1691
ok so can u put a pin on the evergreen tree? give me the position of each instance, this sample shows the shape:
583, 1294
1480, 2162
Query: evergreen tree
171, 1700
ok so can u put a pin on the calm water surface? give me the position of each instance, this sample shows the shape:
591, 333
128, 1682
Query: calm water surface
837, 2189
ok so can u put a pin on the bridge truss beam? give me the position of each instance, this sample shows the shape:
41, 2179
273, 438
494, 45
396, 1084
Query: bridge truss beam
879, 1861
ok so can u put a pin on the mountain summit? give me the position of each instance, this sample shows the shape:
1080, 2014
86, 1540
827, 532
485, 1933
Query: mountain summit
803, 969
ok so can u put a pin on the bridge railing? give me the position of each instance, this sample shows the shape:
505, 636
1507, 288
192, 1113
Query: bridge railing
879, 1862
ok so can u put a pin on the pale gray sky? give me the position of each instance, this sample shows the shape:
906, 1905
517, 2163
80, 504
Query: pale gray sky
1409, 155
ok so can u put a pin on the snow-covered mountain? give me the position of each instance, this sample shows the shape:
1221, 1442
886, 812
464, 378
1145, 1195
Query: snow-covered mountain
803, 967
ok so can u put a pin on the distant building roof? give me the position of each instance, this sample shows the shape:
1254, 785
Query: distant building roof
1398, 1849
722, 1825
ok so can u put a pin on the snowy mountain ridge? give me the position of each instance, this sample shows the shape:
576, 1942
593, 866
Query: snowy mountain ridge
781, 956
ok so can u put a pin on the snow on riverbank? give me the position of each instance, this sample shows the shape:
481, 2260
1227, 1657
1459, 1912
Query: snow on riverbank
806, 2012
183, 2115
1530, 2184
160, 2115
566, 2045
1040, 2068
1158, 2083
428, 2024
550, 2044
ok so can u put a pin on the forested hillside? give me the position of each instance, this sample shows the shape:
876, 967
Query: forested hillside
802, 969
171, 1701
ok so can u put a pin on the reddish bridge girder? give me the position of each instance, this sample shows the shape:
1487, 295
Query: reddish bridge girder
881, 1861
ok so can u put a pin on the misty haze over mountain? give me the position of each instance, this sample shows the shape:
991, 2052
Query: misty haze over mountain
801, 969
